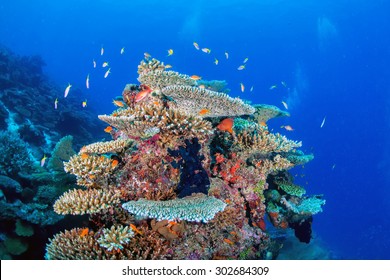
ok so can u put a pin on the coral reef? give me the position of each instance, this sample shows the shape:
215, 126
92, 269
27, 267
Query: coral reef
180, 182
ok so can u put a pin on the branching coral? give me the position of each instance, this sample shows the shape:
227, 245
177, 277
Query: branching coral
114, 146
198, 208
79, 202
192, 100
113, 238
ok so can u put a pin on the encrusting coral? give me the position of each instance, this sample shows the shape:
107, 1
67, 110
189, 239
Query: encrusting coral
190, 174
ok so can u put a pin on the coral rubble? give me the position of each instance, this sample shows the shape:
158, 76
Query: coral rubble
179, 180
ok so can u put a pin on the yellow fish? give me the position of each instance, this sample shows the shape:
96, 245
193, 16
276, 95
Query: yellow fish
84, 104
170, 52
118, 103
43, 160
245, 60
242, 87
215, 61
241, 67
285, 105
105, 64
196, 45
206, 50
122, 50
67, 90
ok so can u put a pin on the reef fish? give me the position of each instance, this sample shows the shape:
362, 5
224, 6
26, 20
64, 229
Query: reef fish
56, 104
227, 55
67, 90
283, 84
168, 66
43, 160
122, 50
94, 63
241, 67
170, 52
145, 90
323, 122
245, 60
87, 81
215, 61
114, 163
206, 50
105, 64
226, 125
118, 103
228, 241
107, 73
84, 232
195, 77
84, 104
134, 228
242, 87
196, 45
204, 111
108, 129
251, 89
101, 51
287, 127
285, 105
273, 87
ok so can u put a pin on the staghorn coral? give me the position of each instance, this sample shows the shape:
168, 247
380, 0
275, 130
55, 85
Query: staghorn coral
113, 238
90, 170
148, 65
191, 100
199, 208
79, 202
114, 146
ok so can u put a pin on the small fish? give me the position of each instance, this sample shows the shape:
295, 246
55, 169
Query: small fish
242, 87
245, 60
196, 45
134, 228
147, 55
227, 55
287, 127
285, 105
84, 232
170, 52
114, 163
263, 124
273, 87
145, 90
101, 51
262, 225
215, 61
67, 90
283, 83
107, 73
226, 125
228, 241
122, 50
202, 86
56, 104
195, 77
94, 63
251, 89
43, 160
333, 166
118, 103
87, 81
168, 66
323, 122
84, 156
108, 129
105, 64
84, 104
241, 67
204, 111
206, 50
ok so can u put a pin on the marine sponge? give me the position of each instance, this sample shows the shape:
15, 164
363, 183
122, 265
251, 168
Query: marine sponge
195, 208
113, 238
79, 202
191, 100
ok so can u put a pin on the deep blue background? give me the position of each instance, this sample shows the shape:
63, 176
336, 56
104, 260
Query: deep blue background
333, 55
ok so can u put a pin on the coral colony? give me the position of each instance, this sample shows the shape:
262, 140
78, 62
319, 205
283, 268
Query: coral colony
191, 173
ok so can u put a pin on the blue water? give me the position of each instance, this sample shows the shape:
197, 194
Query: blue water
334, 57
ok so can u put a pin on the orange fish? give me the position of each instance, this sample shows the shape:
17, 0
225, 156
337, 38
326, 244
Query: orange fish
262, 225
287, 127
228, 241
145, 90
263, 123
133, 227
204, 111
84, 156
195, 77
84, 232
114, 163
118, 103
226, 125
202, 86
108, 129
